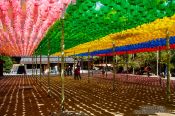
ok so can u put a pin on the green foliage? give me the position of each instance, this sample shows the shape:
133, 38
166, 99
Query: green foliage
143, 59
8, 63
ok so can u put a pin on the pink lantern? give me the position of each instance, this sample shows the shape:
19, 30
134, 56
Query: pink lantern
23, 24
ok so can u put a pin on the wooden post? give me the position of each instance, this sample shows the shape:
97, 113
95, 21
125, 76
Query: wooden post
168, 65
88, 66
62, 66
114, 70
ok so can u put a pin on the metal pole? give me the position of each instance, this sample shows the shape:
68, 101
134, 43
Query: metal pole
62, 66
48, 66
92, 66
65, 65
82, 64
116, 63
40, 65
157, 63
127, 58
32, 65
103, 62
58, 69
106, 67
168, 66
88, 66
74, 66
35, 64
160, 68
36, 69
114, 70
133, 72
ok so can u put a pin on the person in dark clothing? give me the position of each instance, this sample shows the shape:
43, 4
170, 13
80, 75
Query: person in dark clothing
148, 70
78, 73
70, 71
103, 71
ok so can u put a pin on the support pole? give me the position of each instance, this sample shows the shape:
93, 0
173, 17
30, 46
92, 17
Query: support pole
65, 65
103, 67
40, 66
116, 60
82, 64
88, 66
62, 66
157, 63
74, 66
106, 67
36, 69
133, 70
32, 65
159, 69
48, 75
127, 59
114, 70
58, 69
168, 66
36, 65
48, 66
92, 66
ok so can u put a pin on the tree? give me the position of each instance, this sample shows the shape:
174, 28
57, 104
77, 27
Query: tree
8, 63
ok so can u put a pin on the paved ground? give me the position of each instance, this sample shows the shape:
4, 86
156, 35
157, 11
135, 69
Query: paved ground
133, 95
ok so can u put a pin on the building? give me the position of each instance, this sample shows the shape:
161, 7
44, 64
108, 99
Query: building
1, 67
32, 65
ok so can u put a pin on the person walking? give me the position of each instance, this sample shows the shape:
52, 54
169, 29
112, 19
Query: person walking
78, 73
103, 72
148, 70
